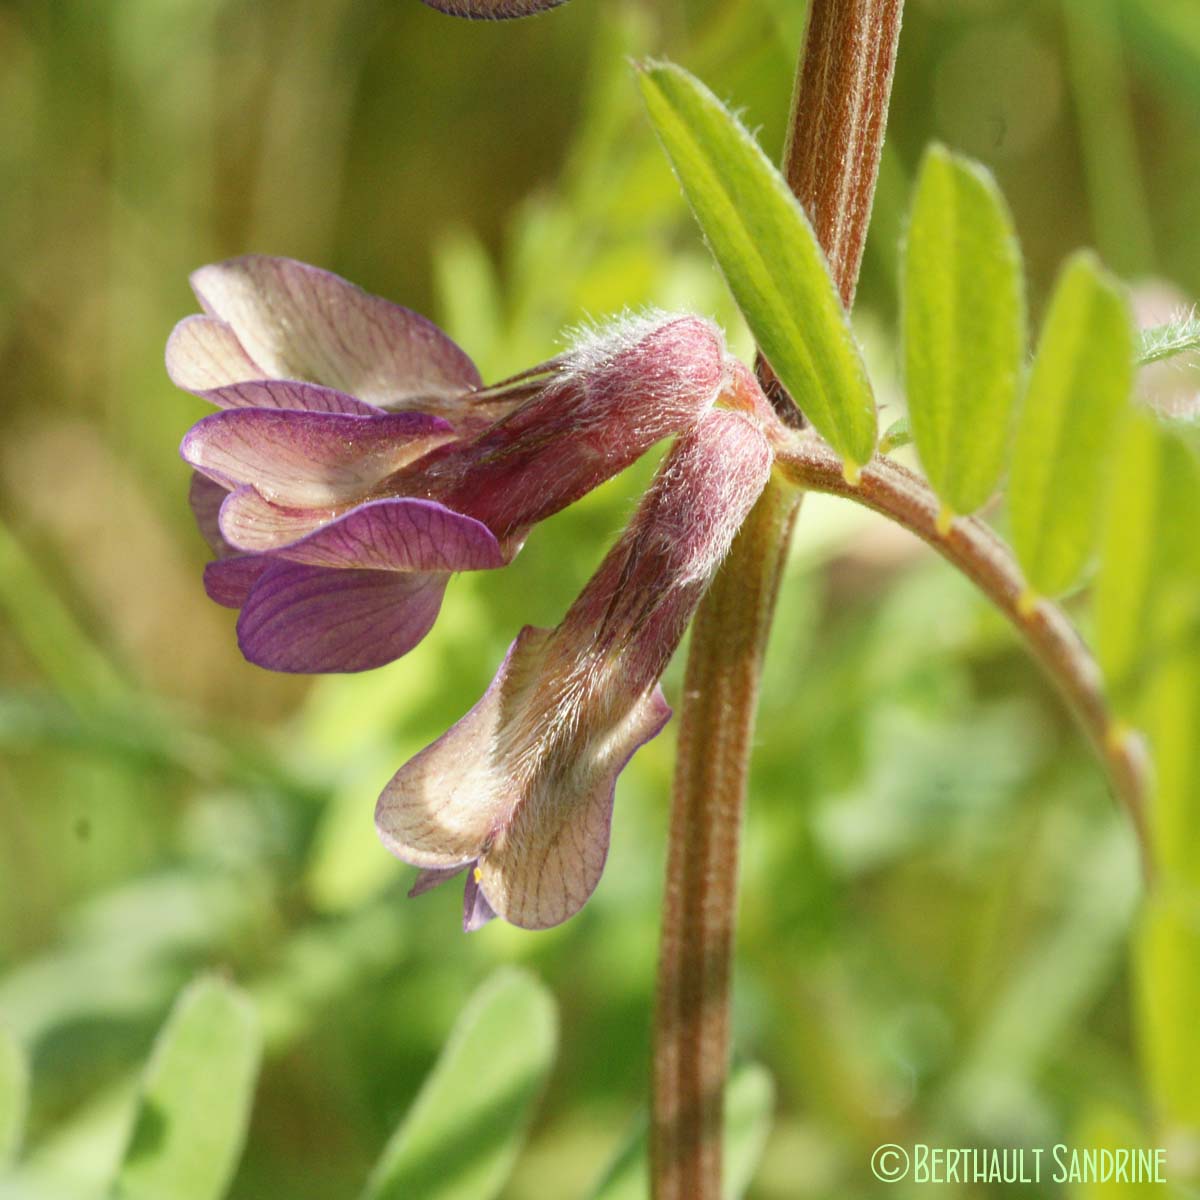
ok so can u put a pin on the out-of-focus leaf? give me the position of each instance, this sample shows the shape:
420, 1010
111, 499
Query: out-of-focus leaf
766, 248
1166, 341
1104, 1128
1038, 1006
195, 1099
1082, 376
463, 1133
1168, 993
14, 1096
1150, 559
749, 1103
1170, 714
963, 328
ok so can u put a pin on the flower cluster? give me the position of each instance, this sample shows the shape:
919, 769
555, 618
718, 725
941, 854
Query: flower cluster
357, 461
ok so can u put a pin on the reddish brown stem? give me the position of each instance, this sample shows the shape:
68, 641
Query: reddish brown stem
838, 115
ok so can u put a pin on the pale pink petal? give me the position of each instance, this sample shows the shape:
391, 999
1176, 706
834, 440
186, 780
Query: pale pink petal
299, 322
256, 526
308, 459
204, 353
308, 619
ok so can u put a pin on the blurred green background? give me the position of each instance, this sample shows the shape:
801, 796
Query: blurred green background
937, 888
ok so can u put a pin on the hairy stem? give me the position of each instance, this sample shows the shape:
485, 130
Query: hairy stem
891, 489
839, 111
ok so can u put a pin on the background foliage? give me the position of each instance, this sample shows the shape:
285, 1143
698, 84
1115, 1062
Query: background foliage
938, 892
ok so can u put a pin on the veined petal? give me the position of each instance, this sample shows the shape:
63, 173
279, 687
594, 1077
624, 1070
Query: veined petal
229, 581
399, 534
309, 619
524, 782
492, 10
308, 459
288, 394
299, 322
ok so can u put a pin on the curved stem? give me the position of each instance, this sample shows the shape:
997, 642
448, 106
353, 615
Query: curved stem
891, 489
838, 115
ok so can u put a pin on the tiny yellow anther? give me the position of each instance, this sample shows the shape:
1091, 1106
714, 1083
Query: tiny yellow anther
945, 519
851, 473
478, 875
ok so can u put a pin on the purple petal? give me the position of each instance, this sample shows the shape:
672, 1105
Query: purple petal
492, 10
288, 394
524, 781
308, 459
229, 581
299, 322
401, 534
299, 618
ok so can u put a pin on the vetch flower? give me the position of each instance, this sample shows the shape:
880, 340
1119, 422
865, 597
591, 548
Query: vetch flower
519, 793
358, 461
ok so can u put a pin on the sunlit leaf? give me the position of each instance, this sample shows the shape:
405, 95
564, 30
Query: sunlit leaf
749, 1103
462, 1135
14, 1096
195, 1099
1082, 376
1168, 962
766, 248
1149, 561
963, 328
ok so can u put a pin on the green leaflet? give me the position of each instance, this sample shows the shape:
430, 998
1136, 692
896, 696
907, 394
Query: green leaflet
749, 1101
1148, 585
463, 1133
1167, 958
766, 248
963, 327
1081, 379
195, 1098
14, 1097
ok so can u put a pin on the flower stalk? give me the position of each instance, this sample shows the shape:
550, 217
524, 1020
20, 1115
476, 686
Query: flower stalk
838, 115
891, 489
